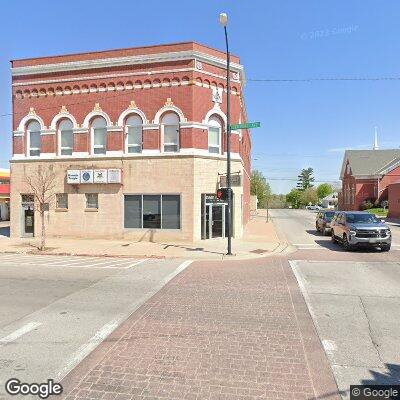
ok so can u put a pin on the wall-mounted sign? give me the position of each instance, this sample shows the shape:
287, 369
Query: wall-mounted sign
114, 176
100, 176
87, 176
73, 176
236, 180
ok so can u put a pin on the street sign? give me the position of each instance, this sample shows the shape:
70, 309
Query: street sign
247, 125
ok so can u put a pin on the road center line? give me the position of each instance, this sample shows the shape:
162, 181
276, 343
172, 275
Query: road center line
19, 332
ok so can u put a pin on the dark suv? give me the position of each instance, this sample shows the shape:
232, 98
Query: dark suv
357, 228
323, 222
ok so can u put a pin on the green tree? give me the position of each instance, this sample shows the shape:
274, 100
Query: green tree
309, 196
306, 179
259, 187
323, 190
294, 198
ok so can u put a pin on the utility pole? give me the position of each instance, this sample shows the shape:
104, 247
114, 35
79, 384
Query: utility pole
223, 19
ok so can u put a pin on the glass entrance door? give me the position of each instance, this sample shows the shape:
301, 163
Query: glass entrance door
218, 220
214, 220
29, 221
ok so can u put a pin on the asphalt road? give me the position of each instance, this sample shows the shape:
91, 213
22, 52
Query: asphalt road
353, 298
55, 310
297, 227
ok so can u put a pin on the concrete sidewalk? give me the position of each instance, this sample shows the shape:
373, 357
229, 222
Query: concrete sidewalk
259, 240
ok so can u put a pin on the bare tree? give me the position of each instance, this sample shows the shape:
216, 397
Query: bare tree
41, 184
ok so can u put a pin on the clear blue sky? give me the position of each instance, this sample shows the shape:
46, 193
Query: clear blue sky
303, 124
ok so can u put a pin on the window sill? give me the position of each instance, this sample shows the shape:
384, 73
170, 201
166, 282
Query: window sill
61, 210
91, 209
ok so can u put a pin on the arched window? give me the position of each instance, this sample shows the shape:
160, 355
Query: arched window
66, 137
214, 135
134, 134
170, 132
33, 131
99, 135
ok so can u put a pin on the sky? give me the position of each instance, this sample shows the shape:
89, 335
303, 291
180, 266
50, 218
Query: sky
303, 124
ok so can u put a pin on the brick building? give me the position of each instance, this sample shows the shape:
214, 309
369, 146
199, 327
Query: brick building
136, 139
367, 175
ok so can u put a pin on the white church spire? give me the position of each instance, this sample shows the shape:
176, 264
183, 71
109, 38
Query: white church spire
376, 146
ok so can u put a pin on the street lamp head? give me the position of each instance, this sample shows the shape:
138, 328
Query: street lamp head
223, 19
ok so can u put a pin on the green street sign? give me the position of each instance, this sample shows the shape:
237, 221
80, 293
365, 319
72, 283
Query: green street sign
248, 125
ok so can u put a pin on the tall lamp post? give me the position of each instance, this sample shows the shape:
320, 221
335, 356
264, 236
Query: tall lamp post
223, 19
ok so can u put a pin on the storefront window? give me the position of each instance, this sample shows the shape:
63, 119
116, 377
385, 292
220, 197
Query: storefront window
133, 211
152, 211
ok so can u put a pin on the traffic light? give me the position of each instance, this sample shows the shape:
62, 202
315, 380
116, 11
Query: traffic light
222, 194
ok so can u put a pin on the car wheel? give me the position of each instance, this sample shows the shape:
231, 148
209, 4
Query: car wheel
346, 245
385, 247
333, 237
324, 233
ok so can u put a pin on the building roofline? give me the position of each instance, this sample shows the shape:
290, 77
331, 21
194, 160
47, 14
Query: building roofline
192, 42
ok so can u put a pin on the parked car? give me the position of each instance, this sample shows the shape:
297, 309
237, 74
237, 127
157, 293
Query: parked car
358, 228
323, 222
313, 208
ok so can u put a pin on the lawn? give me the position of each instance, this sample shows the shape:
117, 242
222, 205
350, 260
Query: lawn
378, 211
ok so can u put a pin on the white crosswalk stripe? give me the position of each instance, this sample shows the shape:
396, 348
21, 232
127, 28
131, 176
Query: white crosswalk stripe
16, 260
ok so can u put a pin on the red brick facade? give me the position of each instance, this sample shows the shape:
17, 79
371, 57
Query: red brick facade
182, 78
355, 189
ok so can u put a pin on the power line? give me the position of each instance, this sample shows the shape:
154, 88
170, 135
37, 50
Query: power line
345, 79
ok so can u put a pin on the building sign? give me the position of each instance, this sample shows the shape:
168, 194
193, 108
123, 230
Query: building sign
100, 176
87, 176
73, 176
236, 180
114, 176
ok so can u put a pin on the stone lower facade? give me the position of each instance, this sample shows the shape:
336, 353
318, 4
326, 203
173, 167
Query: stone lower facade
189, 177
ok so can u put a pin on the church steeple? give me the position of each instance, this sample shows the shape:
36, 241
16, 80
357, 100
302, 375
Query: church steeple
376, 146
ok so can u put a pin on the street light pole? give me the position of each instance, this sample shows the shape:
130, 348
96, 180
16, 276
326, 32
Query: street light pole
223, 19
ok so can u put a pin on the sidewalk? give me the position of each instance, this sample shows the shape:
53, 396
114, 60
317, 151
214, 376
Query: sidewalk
218, 331
259, 239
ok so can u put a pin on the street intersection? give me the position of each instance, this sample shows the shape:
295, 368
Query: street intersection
300, 325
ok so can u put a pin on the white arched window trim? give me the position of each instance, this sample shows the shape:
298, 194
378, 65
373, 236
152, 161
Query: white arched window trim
68, 150
134, 146
90, 117
166, 109
93, 146
30, 117
62, 116
170, 132
215, 111
125, 114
